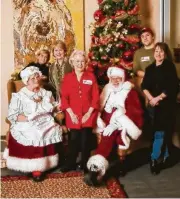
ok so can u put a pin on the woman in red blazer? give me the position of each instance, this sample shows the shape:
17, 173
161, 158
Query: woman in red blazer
80, 101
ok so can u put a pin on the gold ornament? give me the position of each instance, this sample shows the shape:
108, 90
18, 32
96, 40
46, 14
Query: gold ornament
116, 60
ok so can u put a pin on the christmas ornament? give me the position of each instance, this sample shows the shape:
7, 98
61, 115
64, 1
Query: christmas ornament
94, 39
105, 40
90, 55
100, 65
134, 11
134, 27
128, 56
132, 39
94, 63
126, 64
102, 22
120, 15
120, 46
105, 57
98, 15
134, 48
116, 60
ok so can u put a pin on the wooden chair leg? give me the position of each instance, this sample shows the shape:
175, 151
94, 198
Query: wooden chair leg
7, 138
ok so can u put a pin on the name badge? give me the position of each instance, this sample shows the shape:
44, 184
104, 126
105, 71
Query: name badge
144, 59
89, 82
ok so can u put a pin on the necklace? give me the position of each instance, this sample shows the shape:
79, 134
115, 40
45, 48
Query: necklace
36, 97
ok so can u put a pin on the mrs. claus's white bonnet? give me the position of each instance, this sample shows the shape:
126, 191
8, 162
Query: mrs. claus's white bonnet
29, 71
115, 71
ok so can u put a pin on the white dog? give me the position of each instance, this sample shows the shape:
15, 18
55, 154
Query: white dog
40, 23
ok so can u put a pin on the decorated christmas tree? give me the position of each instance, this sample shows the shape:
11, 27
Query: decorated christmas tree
115, 37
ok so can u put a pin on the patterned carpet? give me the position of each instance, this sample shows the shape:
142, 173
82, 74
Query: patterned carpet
69, 185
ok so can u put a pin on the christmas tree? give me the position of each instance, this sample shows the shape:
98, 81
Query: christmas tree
115, 37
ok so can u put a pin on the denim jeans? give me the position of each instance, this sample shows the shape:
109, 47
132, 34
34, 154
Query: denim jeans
157, 146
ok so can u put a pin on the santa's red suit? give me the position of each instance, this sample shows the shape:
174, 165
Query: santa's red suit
121, 117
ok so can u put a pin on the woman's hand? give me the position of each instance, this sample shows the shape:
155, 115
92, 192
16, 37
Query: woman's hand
155, 101
74, 117
86, 117
22, 118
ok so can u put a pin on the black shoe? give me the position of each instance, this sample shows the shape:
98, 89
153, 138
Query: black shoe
165, 163
65, 169
91, 178
79, 167
155, 167
122, 172
38, 178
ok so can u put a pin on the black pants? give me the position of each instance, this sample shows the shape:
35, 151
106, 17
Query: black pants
79, 140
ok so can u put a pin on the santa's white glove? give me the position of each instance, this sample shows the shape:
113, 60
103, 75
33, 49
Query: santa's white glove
100, 123
109, 130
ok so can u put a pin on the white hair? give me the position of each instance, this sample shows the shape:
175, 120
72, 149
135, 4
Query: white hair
74, 53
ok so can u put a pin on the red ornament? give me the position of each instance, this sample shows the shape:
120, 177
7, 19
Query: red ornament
105, 57
121, 46
94, 63
134, 48
100, 65
94, 39
126, 64
90, 55
98, 15
134, 11
120, 12
128, 56
134, 27
132, 39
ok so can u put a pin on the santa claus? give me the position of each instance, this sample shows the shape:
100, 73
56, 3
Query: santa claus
120, 119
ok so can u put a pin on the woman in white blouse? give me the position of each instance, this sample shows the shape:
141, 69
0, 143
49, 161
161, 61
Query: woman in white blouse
33, 132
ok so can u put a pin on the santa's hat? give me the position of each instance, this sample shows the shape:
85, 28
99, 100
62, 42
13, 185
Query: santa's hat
115, 71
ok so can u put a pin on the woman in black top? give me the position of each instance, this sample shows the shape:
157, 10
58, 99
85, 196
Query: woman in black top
42, 59
160, 85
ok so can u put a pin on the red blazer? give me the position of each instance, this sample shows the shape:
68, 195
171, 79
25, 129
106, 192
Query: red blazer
80, 96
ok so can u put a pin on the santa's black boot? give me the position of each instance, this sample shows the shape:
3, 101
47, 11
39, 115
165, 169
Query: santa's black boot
91, 178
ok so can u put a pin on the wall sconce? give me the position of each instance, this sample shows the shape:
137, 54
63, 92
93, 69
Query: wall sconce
177, 54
